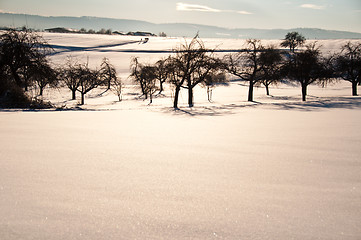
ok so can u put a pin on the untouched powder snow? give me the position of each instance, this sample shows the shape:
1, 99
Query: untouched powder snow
273, 169
139, 174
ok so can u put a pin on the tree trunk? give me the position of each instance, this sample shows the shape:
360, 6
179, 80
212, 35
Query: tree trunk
26, 85
176, 96
150, 98
109, 84
161, 89
16, 77
209, 93
267, 89
73, 96
41, 91
304, 92
190, 96
250, 91
82, 99
354, 88
143, 88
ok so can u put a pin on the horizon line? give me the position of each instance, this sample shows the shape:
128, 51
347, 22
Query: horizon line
276, 28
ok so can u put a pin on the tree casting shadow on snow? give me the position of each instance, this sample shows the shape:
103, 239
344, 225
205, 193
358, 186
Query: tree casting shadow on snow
279, 103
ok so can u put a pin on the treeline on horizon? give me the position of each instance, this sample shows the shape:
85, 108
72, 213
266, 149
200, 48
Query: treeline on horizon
24, 64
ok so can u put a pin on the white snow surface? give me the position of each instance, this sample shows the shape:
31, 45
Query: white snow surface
276, 168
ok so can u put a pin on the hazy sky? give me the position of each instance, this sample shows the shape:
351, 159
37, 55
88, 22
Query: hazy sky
327, 14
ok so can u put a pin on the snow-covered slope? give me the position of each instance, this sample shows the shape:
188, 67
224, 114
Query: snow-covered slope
274, 169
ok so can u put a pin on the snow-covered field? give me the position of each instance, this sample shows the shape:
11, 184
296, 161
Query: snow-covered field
273, 169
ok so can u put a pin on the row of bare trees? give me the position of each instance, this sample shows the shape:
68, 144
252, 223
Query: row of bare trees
192, 64
79, 77
24, 64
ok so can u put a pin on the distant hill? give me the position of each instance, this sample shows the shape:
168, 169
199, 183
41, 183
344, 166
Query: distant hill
171, 29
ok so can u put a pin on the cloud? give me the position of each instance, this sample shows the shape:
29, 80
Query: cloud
244, 12
312, 6
194, 7
201, 8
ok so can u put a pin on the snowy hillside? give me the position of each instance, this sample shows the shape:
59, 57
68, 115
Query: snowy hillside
276, 168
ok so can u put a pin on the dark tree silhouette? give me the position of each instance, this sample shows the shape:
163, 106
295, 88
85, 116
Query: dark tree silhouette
192, 57
21, 54
348, 64
270, 61
161, 72
211, 81
148, 73
107, 72
135, 74
187, 68
306, 67
117, 87
245, 64
43, 75
88, 80
293, 40
20, 50
177, 76
69, 76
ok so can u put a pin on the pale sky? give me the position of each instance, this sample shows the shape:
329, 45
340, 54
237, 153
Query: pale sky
268, 14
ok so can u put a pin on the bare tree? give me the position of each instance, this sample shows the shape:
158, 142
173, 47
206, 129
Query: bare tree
148, 73
196, 65
117, 86
182, 67
177, 76
135, 74
88, 79
161, 72
69, 76
245, 64
348, 64
306, 67
211, 81
20, 53
107, 72
270, 60
43, 75
293, 40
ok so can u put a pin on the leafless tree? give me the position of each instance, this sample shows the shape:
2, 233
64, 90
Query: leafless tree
69, 76
161, 72
191, 65
21, 54
183, 66
348, 64
88, 80
149, 79
177, 76
245, 64
146, 75
135, 74
44, 75
212, 80
307, 67
107, 72
270, 60
117, 86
